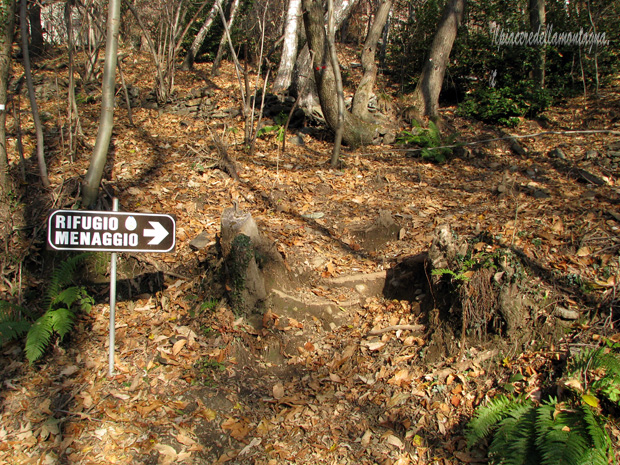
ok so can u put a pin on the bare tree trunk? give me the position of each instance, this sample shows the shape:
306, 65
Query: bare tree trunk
90, 186
369, 78
333, 57
303, 76
73, 117
220, 51
289, 48
33, 102
7, 25
426, 94
188, 62
356, 132
36, 30
537, 23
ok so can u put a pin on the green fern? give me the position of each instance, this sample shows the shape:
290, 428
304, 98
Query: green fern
487, 418
15, 321
62, 276
524, 433
512, 442
599, 372
39, 337
59, 316
457, 276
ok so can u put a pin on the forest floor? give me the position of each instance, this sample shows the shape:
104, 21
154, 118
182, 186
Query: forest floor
195, 383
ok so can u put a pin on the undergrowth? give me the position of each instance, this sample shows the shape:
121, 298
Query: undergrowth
570, 430
434, 146
61, 302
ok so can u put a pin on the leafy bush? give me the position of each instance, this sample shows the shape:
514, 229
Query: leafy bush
434, 146
553, 432
505, 105
61, 302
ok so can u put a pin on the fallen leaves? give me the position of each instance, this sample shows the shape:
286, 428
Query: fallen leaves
357, 394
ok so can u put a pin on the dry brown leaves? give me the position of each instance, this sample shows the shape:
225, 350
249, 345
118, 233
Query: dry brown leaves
205, 389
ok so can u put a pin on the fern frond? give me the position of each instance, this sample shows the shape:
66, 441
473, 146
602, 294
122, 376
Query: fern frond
571, 436
602, 448
62, 276
600, 367
488, 417
38, 337
594, 359
14, 321
13, 329
11, 311
68, 296
513, 442
62, 321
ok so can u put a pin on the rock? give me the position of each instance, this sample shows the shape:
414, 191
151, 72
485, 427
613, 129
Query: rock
389, 138
540, 194
586, 176
200, 241
296, 139
557, 153
566, 314
194, 102
516, 147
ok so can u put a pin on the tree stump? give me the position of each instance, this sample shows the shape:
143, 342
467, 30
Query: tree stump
251, 261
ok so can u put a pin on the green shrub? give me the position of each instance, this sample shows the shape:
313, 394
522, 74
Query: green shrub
61, 303
434, 146
505, 105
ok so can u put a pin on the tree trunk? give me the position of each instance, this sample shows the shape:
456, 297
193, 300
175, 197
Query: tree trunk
190, 57
36, 30
220, 51
73, 117
369, 78
356, 132
426, 94
289, 48
38, 127
333, 58
90, 187
537, 23
303, 76
7, 24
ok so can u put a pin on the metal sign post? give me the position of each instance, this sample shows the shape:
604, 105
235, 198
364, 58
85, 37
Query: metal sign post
112, 302
114, 232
